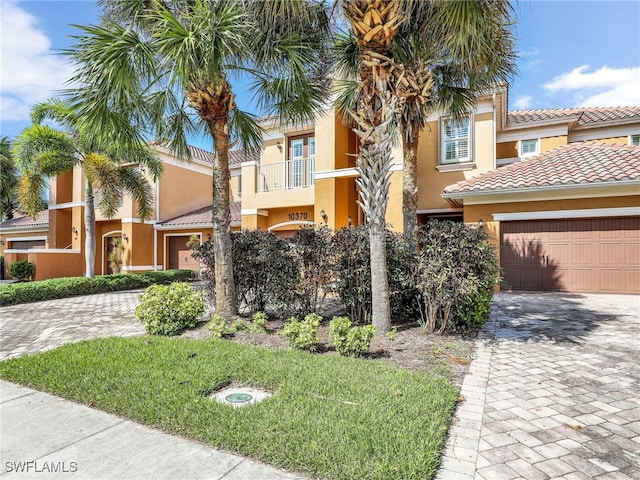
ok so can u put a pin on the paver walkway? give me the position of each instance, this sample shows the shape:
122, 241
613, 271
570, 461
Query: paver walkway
553, 393
40, 326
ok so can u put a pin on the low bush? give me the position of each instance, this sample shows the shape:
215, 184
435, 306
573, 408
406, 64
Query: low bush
219, 328
16, 293
350, 341
168, 309
303, 335
259, 322
21, 271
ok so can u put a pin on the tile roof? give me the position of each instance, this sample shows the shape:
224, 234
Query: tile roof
236, 157
583, 116
570, 165
201, 216
23, 221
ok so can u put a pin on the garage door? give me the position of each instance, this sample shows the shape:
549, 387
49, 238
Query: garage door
575, 255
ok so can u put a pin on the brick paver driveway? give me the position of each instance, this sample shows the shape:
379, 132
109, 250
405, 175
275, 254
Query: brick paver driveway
35, 327
553, 393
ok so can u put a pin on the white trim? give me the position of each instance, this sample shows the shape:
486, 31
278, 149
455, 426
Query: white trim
471, 143
396, 167
547, 188
529, 154
250, 163
439, 210
254, 211
131, 220
25, 229
456, 167
137, 268
41, 250
599, 132
194, 165
161, 228
342, 172
57, 206
629, 138
586, 213
284, 224
25, 239
528, 131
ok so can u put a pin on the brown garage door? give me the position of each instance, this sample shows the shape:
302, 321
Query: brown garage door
577, 255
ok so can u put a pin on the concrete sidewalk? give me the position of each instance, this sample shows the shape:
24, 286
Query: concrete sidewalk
41, 434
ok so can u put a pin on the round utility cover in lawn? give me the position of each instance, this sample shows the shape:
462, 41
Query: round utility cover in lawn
240, 396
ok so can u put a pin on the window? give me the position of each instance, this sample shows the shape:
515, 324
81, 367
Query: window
528, 148
456, 141
297, 156
635, 140
239, 185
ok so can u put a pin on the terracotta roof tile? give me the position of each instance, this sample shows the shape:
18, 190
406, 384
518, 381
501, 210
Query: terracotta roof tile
573, 164
236, 157
201, 216
22, 221
583, 116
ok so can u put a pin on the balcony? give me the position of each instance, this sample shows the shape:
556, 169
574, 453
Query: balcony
287, 175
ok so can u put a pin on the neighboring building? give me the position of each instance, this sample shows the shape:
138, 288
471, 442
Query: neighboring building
559, 190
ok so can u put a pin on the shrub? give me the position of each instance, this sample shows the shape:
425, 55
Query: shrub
116, 257
457, 271
263, 270
168, 309
312, 250
219, 327
21, 271
353, 274
348, 340
15, 293
259, 322
303, 335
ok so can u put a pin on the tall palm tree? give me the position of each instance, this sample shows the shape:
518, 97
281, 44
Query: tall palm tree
181, 55
373, 25
453, 52
42, 152
410, 59
8, 180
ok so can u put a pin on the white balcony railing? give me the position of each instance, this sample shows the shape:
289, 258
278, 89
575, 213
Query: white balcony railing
297, 173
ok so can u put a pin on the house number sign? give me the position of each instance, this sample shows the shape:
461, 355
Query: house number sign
298, 216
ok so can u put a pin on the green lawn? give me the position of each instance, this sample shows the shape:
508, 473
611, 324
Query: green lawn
330, 417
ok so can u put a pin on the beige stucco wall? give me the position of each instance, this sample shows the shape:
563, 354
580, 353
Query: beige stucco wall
183, 190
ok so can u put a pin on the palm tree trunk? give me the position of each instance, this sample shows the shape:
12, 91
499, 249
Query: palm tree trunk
222, 246
410, 186
90, 231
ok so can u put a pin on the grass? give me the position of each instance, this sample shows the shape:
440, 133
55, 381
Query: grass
329, 417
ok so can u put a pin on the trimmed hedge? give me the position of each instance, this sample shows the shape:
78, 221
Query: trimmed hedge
15, 293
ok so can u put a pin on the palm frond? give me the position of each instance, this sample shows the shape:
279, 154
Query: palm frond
102, 173
135, 184
31, 192
245, 129
43, 149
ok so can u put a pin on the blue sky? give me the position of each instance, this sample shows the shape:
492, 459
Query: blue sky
571, 53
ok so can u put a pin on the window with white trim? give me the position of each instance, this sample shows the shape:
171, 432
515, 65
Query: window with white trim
456, 140
528, 147
635, 140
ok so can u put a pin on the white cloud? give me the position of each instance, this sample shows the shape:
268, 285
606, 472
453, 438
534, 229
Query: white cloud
530, 60
29, 71
604, 87
523, 102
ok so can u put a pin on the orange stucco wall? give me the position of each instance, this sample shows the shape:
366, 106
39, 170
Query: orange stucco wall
183, 190
549, 143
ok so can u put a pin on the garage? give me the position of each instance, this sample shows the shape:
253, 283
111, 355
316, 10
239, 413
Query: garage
598, 255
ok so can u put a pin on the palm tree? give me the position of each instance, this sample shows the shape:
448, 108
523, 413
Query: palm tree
42, 152
410, 59
453, 52
8, 180
373, 25
181, 55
